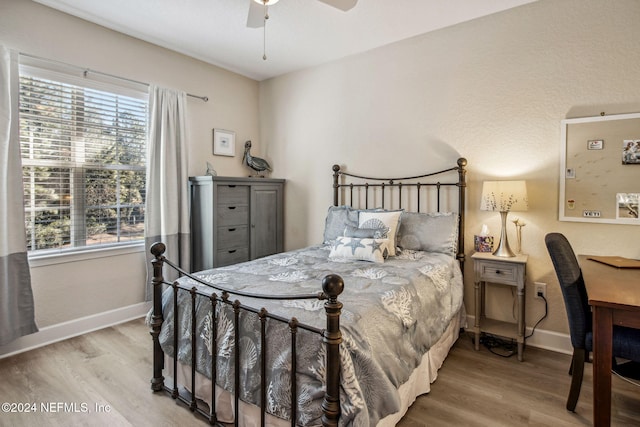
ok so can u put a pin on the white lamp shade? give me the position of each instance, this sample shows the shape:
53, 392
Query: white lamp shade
267, 3
504, 196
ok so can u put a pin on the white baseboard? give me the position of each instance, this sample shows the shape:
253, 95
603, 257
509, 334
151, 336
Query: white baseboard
73, 328
548, 340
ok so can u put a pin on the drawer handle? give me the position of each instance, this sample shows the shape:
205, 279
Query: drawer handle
231, 186
498, 272
232, 229
231, 207
233, 251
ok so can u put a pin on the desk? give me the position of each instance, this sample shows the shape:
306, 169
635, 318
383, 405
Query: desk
614, 295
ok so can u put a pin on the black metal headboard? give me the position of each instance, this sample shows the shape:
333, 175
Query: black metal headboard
432, 192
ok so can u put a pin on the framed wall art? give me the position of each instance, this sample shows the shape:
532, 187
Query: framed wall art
631, 152
627, 206
224, 142
600, 169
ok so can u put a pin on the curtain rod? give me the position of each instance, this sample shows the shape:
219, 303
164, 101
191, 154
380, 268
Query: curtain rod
89, 70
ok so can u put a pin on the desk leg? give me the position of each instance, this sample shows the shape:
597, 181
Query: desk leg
602, 354
478, 314
520, 322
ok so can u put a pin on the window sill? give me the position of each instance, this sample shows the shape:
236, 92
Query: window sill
42, 260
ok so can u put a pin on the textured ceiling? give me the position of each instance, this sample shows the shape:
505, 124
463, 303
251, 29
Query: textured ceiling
299, 33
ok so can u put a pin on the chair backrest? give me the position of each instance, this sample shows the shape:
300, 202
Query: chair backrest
573, 289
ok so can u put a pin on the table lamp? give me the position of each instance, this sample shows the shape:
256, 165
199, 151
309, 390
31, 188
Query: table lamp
504, 196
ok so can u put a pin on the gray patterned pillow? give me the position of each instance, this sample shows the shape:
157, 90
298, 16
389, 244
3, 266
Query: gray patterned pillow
430, 232
338, 218
366, 233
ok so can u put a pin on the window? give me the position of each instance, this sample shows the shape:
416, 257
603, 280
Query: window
83, 144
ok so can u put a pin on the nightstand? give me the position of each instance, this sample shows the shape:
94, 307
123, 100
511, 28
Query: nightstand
503, 271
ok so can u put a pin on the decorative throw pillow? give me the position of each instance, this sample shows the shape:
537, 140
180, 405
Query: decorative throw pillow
352, 248
338, 217
389, 220
430, 232
365, 233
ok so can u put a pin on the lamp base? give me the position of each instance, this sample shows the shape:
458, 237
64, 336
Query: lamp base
503, 249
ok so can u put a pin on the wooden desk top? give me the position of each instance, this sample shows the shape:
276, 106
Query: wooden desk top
611, 286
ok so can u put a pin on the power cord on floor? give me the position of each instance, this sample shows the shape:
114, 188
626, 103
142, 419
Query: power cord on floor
507, 348
498, 346
546, 312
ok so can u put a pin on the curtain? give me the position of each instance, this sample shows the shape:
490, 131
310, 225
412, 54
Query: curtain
167, 194
16, 297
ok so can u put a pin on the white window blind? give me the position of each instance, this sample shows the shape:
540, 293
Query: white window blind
83, 146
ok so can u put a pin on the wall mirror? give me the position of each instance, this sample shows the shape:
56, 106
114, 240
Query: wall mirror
600, 169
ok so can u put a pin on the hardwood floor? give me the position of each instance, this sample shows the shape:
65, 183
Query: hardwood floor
102, 379
477, 388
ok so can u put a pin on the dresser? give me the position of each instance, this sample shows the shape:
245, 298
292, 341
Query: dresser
235, 219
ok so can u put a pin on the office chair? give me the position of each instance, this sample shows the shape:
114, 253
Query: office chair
626, 341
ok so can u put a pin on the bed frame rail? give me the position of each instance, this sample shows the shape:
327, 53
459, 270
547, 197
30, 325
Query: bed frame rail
332, 286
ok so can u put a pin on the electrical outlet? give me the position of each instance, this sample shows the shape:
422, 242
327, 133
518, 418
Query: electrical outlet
541, 289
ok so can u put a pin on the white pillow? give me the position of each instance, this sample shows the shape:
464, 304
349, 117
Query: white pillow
353, 248
383, 219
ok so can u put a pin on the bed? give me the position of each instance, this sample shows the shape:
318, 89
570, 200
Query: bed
350, 330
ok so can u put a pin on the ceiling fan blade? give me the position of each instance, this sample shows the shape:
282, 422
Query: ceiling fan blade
255, 18
341, 4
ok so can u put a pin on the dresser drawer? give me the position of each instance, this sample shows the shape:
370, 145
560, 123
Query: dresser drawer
232, 237
499, 272
231, 256
232, 215
233, 195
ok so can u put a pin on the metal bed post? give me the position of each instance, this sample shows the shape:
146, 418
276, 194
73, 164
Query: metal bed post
462, 186
157, 381
336, 184
332, 285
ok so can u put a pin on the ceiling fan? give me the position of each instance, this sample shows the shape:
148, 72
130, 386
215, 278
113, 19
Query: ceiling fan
256, 17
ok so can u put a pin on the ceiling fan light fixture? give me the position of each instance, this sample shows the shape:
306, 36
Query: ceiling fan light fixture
267, 2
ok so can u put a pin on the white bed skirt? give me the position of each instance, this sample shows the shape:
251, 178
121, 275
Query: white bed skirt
419, 383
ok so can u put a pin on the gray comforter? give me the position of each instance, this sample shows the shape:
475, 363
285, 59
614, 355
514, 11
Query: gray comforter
393, 313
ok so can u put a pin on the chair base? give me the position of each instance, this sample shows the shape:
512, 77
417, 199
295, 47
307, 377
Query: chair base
628, 369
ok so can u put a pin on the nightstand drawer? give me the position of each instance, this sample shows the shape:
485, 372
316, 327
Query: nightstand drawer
499, 273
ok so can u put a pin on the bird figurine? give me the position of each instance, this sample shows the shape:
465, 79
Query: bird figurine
210, 170
255, 163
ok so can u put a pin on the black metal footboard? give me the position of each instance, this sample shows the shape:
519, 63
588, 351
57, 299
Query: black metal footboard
332, 286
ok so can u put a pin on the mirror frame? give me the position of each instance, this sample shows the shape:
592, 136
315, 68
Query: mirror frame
600, 141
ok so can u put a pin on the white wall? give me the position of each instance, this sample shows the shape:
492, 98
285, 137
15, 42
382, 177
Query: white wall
67, 291
493, 90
